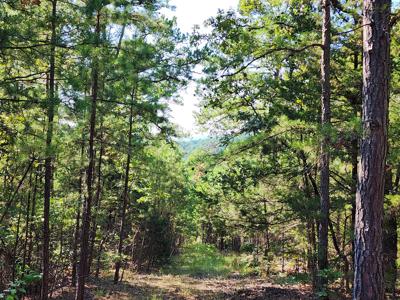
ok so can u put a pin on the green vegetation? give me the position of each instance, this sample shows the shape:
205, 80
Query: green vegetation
202, 260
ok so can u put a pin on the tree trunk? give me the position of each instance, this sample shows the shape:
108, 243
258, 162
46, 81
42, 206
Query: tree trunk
27, 221
77, 220
15, 248
33, 214
368, 277
96, 200
86, 217
49, 157
325, 156
356, 106
125, 196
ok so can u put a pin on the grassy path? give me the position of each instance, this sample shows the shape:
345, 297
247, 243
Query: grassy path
183, 287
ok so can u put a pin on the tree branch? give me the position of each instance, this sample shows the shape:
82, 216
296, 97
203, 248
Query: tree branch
10, 201
291, 50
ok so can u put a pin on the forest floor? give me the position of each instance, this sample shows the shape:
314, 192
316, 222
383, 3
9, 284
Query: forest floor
135, 286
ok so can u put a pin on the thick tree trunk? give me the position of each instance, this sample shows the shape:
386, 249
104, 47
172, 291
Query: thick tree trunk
86, 217
368, 277
125, 197
325, 156
49, 158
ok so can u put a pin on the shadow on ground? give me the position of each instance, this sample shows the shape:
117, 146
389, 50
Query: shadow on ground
183, 287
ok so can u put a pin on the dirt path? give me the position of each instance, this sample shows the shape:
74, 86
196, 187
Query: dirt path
182, 287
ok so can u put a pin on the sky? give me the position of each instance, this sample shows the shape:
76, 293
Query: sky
188, 14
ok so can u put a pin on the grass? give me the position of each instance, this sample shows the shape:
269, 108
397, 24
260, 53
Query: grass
293, 279
201, 260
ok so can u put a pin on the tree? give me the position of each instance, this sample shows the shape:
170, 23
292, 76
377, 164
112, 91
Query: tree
125, 192
51, 106
325, 155
86, 216
368, 277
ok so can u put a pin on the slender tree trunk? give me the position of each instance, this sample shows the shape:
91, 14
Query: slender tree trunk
311, 253
86, 217
311, 246
77, 220
325, 156
368, 277
354, 175
27, 221
97, 199
15, 250
125, 196
49, 157
346, 267
33, 214
15, 192
98, 261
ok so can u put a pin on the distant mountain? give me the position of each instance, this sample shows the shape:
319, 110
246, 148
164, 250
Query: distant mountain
189, 145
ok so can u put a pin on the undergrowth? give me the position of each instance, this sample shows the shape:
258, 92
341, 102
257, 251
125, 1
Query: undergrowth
202, 260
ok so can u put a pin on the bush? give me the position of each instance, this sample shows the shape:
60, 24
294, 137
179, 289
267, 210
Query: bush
248, 248
20, 286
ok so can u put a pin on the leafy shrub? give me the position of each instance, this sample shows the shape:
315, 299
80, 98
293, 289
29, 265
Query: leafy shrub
19, 287
248, 248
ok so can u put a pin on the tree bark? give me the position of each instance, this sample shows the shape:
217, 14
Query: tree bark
49, 157
325, 156
368, 277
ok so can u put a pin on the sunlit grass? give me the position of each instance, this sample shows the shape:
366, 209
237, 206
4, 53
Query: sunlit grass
204, 260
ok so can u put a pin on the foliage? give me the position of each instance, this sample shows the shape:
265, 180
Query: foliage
19, 287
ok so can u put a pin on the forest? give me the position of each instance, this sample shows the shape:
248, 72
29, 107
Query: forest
291, 192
